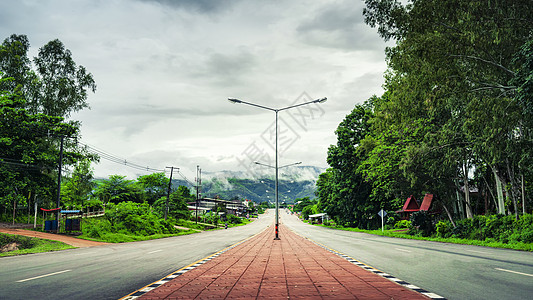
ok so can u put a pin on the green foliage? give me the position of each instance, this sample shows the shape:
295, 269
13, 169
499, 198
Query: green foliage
303, 202
427, 133
309, 210
76, 190
421, 223
177, 204
402, 224
23, 242
499, 228
154, 185
118, 189
127, 221
233, 219
34, 104
29, 245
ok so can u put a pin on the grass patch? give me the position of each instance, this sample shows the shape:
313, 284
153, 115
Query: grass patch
394, 233
28, 245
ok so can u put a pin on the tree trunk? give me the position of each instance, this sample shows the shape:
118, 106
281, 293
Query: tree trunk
501, 202
35, 211
14, 209
523, 195
466, 187
513, 192
449, 215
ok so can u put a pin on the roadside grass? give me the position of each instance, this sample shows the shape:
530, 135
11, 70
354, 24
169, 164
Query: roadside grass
109, 237
29, 245
403, 234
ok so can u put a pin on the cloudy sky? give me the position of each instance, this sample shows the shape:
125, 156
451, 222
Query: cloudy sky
164, 70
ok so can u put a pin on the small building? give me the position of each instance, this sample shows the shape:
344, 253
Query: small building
411, 205
319, 218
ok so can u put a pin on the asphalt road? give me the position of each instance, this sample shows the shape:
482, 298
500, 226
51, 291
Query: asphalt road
112, 271
449, 270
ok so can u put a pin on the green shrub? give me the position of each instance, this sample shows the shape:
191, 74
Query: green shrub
24, 242
402, 224
443, 229
233, 219
421, 223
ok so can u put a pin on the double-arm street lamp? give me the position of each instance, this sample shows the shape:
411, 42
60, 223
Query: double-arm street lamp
277, 110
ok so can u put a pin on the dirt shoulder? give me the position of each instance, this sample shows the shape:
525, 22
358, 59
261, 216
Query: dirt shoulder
80, 243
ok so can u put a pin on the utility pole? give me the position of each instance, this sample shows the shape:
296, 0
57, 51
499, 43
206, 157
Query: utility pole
169, 187
59, 179
198, 185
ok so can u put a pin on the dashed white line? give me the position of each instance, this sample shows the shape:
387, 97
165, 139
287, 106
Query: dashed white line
155, 251
403, 250
45, 275
515, 272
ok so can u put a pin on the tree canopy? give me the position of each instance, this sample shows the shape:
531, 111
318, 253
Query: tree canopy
455, 117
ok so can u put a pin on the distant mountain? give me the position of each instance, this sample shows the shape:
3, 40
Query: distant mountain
294, 182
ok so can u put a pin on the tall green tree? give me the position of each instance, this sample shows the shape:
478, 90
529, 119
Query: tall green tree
35, 103
343, 191
452, 58
77, 188
177, 203
117, 189
155, 186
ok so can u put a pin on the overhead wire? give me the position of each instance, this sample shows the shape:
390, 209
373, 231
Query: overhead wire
118, 160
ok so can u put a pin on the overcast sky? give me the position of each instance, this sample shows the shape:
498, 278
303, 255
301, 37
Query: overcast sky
164, 70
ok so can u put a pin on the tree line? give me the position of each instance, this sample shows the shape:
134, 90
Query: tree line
454, 120
36, 98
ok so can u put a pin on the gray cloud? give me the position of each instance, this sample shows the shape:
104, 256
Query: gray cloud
201, 6
164, 70
339, 25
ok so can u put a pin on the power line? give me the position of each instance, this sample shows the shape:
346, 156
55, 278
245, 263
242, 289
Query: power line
118, 160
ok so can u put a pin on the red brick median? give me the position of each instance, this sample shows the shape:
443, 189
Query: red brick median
290, 268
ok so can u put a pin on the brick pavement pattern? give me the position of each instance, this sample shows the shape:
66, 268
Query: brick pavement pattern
290, 268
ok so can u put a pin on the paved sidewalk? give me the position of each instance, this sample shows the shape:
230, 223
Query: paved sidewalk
80, 243
290, 268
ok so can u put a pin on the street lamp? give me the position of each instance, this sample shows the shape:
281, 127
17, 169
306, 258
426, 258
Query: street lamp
277, 110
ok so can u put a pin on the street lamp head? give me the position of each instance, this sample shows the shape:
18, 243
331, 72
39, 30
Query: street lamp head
321, 100
234, 100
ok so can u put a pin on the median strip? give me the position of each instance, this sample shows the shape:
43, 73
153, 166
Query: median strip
46, 275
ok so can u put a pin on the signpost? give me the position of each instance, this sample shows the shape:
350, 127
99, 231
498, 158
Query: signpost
382, 214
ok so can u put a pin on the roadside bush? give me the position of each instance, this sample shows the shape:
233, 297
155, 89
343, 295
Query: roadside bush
233, 219
127, 218
501, 228
402, 224
443, 229
421, 223
23, 242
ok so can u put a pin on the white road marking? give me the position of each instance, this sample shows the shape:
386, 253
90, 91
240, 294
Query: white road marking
155, 251
515, 272
46, 275
403, 250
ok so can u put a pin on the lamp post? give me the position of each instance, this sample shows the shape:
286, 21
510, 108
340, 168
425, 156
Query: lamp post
277, 110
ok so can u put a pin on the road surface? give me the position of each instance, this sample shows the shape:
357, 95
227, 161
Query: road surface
115, 270
449, 270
